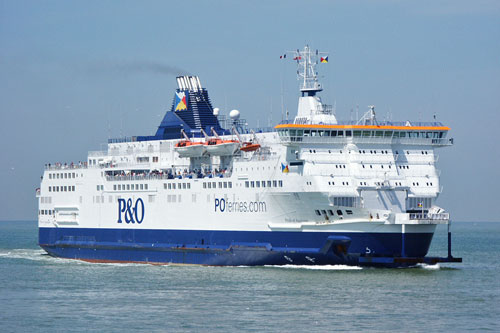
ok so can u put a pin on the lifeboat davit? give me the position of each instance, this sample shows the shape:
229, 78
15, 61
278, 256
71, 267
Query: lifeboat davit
219, 147
249, 146
187, 148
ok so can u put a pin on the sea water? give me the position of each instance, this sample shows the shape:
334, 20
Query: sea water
39, 293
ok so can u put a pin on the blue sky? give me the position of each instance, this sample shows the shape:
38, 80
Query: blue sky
73, 73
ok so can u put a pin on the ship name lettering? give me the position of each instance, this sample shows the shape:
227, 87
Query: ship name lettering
131, 213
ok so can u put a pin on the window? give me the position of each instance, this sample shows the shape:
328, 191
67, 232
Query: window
281, 183
165, 186
252, 184
275, 183
145, 186
114, 187
184, 186
225, 184
339, 212
348, 211
204, 185
317, 212
330, 212
142, 186
246, 184
128, 187
230, 184
220, 184
73, 188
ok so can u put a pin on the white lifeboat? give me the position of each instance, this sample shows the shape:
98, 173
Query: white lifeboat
188, 148
219, 147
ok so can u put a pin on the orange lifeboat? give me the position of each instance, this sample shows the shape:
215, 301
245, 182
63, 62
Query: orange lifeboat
249, 146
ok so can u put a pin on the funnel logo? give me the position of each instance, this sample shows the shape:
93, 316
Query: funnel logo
181, 101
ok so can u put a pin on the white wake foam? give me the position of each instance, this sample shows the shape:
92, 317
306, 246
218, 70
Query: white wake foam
429, 267
318, 267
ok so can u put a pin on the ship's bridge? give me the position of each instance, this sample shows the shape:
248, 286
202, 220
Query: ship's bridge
418, 133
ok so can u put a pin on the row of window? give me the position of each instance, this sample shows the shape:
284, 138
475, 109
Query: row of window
45, 212
371, 166
214, 184
313, 151
129, 187
359, 133
62, 188
269, 183
345, 201
62, 175
330, 212
173, 186
417, 184
45, 200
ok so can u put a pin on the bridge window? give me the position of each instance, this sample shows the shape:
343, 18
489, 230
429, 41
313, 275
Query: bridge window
379, 133
348, 133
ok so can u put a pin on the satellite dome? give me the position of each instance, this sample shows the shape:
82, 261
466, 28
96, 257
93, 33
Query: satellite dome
216, 112
234, 114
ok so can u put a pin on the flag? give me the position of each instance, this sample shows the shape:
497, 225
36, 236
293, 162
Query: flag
420, 205
297, 58
284, 168
324, 60
180, 101
283, 56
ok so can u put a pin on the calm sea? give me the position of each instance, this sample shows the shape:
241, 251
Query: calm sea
43, 294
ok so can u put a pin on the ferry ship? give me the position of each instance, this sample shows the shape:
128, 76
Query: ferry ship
207, 190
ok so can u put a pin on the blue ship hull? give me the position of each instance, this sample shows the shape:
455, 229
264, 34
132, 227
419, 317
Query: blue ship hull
234, 248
